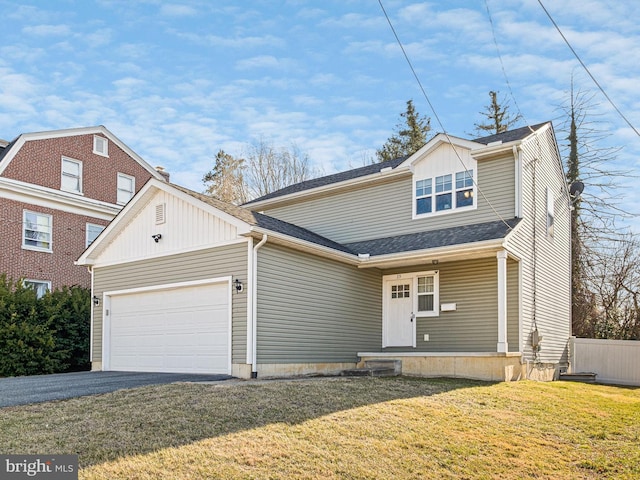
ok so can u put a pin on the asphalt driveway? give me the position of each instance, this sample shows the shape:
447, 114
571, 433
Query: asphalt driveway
59, 386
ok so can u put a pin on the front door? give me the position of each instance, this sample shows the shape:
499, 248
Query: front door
399, 320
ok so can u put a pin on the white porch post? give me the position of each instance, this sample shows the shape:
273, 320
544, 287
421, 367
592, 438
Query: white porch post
502, 302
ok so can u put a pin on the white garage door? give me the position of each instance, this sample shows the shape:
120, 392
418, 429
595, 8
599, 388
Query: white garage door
183, 330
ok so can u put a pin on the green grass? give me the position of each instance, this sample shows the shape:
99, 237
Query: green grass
356, 428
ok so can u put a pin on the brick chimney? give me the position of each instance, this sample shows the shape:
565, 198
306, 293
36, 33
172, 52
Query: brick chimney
164, 173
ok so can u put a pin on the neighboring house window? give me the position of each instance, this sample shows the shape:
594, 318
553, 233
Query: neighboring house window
424, 198
40, 286
100, 145
550, 212
92, 232
37, 231
464, 188
71, 175
126, 188
427, 293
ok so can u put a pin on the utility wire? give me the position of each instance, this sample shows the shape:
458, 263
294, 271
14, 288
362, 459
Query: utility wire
587, 69
504, 71
435, 114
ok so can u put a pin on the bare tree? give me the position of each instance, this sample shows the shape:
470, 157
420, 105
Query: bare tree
270, 168
613, 275
595, 239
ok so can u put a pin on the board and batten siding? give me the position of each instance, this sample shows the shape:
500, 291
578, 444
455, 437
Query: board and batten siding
228, 260
314, 310
546, 260
385, 209
473, 327
185, 226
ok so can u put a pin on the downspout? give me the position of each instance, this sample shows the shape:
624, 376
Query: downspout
254, 310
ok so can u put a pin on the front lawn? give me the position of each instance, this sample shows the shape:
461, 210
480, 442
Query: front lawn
354, 428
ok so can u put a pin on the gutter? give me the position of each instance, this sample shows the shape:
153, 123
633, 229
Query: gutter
254, 306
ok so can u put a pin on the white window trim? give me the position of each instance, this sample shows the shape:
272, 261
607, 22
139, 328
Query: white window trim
133, 187
86, 237
105, 142
436, 293
550, 216
453, 191
413, 278
24, 226
62, 175
28, 281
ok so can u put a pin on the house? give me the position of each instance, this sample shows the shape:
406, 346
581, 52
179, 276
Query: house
58, 191
454, 261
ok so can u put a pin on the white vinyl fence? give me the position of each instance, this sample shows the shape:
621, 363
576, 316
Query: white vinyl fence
614, 361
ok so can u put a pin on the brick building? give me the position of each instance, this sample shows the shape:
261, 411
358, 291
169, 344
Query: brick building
58, 190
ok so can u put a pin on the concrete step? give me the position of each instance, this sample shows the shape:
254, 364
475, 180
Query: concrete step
369, 372
587, 377
376, 368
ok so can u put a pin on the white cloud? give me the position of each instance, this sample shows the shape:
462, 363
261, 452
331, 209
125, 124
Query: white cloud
176, 10
47, 30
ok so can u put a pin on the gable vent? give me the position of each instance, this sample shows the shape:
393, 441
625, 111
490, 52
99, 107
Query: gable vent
161, 210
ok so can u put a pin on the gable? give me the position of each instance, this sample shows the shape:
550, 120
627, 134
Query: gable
96, 156
183, 225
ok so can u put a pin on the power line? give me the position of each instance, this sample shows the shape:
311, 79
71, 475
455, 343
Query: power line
435, 114
504, 71
587, 70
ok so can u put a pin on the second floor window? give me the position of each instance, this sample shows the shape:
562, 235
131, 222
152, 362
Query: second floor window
441, 194
71, 176
36, 231
126, 188
93, 231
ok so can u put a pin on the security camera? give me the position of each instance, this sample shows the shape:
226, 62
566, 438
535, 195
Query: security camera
156, 237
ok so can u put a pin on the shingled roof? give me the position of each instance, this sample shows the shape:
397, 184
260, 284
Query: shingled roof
334, 178
445, 237
505, 137
511, 135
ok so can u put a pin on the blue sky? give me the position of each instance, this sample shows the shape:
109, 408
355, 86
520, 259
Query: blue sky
179, 80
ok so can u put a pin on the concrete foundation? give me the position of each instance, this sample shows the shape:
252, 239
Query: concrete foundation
296, 369
490, 367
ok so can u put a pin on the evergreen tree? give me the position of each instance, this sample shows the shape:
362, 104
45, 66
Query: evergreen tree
410, 136
498, 117
226, 181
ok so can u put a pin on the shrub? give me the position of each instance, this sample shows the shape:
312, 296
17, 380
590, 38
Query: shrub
46, 335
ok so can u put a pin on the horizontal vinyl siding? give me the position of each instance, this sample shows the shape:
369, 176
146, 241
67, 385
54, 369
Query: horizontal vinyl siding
385, 209
315, 310
546, 262
473, 327
224, 261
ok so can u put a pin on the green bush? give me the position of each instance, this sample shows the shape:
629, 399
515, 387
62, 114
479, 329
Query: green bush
46, 335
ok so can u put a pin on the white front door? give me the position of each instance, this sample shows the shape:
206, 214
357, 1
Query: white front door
399, 323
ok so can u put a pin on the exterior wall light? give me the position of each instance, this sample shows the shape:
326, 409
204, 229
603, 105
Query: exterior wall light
238, 284
96, 301
156, 237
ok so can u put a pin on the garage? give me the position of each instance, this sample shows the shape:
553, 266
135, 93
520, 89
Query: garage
179, 329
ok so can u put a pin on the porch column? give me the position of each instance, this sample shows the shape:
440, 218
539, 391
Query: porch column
502, 302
